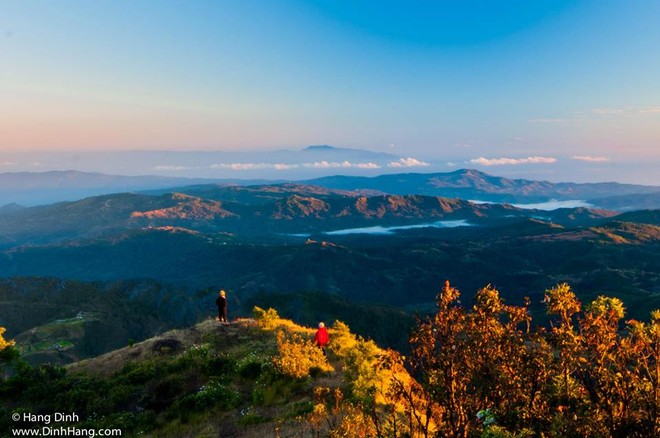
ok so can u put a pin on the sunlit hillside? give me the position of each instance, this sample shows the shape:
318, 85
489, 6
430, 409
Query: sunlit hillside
484, 370
253, 377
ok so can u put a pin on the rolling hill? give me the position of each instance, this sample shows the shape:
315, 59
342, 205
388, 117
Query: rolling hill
288, 209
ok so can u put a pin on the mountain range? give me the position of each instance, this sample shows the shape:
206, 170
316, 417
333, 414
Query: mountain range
159, 256
48, 187
263, 210
292, 238
473, 184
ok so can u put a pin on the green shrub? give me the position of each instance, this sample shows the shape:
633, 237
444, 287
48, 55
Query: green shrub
250, 370
220, 366
139, 373
210, 395
273, 388
248, 417
169, 388
196, 356
300, 409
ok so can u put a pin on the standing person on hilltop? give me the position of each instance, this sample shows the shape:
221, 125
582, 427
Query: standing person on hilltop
221, 301
321, 337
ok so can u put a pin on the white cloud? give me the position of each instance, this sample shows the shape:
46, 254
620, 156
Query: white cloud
327, 164
651, 109
254, 166
168, 168
7, 163
367, 166
607, 111
242, 166
408, 162
284, 166
509, 161
599, 114
343, 164
590, 159
550, 120
627, 110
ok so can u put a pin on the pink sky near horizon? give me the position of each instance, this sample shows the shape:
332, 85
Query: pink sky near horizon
450, 83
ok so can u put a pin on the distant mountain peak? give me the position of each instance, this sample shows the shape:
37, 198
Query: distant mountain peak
320, 147
324, 148
471, 172
326, 156
11, 208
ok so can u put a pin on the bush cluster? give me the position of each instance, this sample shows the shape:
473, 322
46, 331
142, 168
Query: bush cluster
297, 357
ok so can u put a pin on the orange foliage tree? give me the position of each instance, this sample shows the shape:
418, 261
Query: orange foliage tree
485, 371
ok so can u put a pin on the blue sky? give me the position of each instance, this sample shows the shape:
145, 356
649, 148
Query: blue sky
486, 84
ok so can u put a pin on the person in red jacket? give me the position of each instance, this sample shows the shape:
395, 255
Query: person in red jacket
321, 337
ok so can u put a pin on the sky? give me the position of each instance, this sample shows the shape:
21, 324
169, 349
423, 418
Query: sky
557, 89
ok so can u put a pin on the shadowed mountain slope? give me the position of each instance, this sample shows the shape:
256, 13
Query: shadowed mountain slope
614, 258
